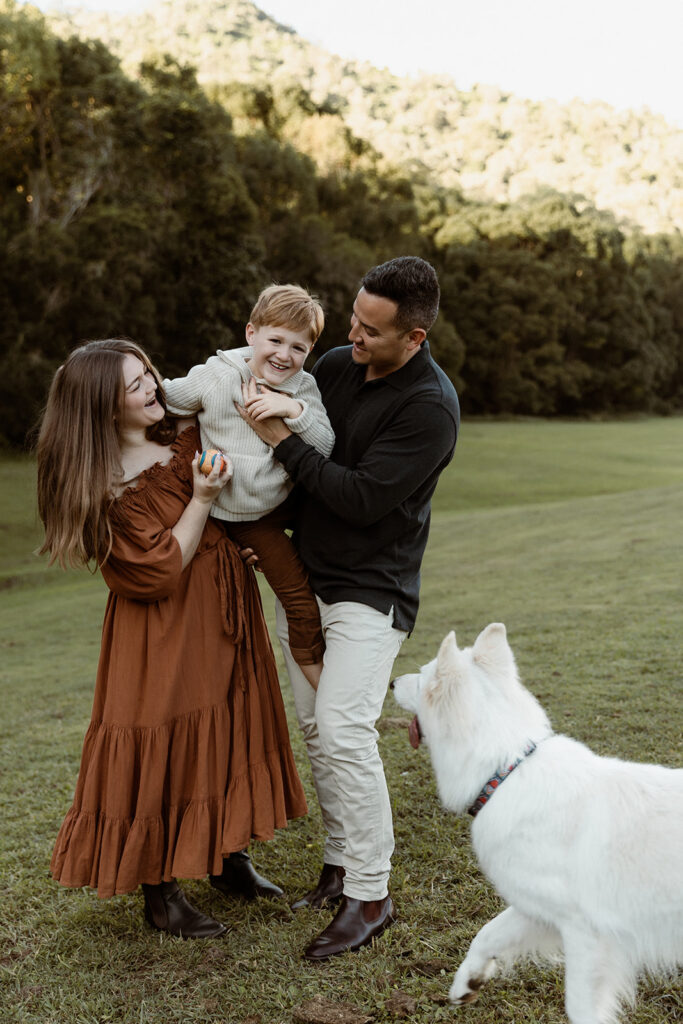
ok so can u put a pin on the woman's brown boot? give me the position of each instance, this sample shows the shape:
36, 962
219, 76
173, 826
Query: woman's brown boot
240, 878
167, 909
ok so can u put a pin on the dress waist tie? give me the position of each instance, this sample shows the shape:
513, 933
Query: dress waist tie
232, 578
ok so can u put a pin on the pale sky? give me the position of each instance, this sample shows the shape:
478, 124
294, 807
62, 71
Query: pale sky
626, 52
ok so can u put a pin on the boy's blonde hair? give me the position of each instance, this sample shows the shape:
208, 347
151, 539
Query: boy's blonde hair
290, 306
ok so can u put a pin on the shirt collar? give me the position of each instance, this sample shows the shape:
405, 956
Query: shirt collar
409, 372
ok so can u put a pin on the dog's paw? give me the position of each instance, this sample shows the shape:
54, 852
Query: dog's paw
464, 990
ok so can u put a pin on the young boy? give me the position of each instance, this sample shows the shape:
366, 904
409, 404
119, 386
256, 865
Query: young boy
283, 327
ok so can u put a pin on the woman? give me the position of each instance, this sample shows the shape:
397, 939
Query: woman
187, 756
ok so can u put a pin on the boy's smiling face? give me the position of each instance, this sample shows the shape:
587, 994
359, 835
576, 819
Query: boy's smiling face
277, 353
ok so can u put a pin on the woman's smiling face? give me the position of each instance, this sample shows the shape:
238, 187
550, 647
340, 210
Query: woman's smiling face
140, 406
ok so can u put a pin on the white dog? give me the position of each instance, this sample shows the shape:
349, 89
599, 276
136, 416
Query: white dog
586, 850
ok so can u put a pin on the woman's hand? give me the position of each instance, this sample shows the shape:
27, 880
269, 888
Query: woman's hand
249, 557
206, 488
188, 530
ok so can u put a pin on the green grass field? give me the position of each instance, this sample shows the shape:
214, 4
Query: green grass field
570, 533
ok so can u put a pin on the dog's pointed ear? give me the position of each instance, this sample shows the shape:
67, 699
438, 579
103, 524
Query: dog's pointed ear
446, 669
494, 631
492, 651
447, 657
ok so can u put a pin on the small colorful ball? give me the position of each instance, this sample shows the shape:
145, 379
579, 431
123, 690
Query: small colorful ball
207, 459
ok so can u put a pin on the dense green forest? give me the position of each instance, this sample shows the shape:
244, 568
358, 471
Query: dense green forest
153, 196
487, 143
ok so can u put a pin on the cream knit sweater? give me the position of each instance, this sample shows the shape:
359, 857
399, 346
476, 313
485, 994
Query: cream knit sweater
259, 483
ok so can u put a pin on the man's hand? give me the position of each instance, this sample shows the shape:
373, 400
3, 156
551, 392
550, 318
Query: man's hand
271, 430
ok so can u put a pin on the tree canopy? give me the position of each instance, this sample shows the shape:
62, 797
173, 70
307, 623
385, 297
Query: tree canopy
143, 201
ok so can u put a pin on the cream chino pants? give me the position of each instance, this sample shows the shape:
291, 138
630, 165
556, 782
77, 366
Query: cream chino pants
338, 726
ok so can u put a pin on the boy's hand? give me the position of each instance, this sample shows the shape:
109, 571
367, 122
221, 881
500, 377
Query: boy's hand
261, 403
207, 488
271, 430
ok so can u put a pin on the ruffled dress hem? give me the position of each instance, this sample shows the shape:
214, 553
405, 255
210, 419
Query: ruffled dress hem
114, 854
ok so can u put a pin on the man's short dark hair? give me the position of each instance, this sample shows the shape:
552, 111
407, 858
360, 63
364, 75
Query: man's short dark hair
412, 284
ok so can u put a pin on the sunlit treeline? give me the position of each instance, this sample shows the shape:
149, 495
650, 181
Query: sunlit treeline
148, 205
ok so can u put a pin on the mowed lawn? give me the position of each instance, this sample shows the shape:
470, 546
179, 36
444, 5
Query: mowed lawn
569, 533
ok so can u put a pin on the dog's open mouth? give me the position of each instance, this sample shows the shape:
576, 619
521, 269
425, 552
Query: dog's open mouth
415, 733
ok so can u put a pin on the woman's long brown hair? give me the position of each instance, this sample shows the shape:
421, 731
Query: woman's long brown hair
79, 456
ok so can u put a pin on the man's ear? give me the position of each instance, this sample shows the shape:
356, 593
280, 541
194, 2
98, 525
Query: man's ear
416, 337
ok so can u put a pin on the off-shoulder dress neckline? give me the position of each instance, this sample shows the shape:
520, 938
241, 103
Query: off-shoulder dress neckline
140, 482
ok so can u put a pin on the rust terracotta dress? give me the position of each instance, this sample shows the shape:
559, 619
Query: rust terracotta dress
187, 756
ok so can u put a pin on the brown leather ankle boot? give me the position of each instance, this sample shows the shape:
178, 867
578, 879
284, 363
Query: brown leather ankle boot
167, 910
356, 924
239, 877
328, 891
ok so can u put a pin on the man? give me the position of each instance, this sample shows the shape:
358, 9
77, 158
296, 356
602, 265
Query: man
361, 533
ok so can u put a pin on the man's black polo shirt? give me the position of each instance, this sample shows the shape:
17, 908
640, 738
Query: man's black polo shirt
363, 519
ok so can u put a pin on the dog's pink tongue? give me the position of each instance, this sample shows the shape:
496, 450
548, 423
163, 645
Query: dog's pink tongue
414, 733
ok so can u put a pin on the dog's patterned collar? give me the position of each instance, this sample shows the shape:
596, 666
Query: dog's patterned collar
493, 783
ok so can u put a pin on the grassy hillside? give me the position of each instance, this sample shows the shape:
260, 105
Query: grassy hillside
568, 533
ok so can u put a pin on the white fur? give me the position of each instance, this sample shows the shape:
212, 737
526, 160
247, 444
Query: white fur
586, 850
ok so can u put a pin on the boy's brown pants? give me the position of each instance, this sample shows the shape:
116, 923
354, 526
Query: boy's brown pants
287, 577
